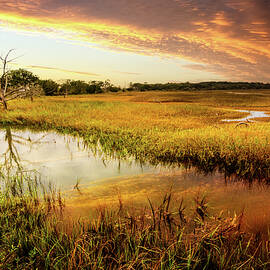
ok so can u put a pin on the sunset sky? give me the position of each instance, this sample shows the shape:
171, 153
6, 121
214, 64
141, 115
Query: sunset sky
139, 40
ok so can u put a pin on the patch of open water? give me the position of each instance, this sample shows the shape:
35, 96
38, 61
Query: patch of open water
64, 160
252, 115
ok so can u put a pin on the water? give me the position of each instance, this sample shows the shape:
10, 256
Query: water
66, 160
229, 198
252, 115
61, 159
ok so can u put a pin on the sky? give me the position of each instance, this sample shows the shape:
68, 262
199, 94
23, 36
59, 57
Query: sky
139, 40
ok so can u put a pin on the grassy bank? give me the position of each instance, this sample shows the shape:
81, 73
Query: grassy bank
36, 235
182, 127
36, 232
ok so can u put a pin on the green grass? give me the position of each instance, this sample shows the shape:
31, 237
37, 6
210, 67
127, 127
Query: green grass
182, 127
173, 132
36, 235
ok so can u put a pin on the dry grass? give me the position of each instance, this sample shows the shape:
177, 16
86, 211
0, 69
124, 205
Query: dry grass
159, 127
34, 236
131, 124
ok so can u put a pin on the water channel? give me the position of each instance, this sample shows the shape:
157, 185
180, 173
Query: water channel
249, 117
67, 161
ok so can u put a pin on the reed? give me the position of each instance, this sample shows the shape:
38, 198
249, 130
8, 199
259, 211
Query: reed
158, 127
190, 133
36, 235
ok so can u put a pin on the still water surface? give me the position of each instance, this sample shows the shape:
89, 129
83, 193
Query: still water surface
249, 117
64, 160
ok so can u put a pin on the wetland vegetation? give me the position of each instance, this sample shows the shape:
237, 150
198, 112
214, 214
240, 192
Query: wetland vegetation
37, 235
173, 127
169, 128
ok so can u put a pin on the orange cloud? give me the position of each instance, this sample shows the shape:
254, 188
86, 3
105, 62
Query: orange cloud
226, 37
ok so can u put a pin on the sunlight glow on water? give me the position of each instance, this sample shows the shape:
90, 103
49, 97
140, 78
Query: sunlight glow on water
61, 158
64, 159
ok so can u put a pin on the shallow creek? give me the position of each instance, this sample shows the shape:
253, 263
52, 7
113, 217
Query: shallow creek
251, 115
66, 161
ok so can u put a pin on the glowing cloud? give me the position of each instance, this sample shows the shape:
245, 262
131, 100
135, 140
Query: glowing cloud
227, 37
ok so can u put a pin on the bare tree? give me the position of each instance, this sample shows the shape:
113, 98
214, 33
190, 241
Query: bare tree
4, 78
17, 83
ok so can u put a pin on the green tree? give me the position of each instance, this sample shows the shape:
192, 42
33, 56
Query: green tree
26, 81
22, 78
72, 87
95, 87
49, 87
78, 87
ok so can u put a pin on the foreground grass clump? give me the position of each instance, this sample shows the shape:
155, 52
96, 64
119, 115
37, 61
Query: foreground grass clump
36, 235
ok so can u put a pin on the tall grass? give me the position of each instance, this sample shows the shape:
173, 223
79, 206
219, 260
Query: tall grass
190, 133
36, 235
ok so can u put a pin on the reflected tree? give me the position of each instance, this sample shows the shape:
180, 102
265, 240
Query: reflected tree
11, 156
11, 162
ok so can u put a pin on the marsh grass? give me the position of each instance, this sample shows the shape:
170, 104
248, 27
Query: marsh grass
171, 128
36, 234
214, 98
130, 124
230, 197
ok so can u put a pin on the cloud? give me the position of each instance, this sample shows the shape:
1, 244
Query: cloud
62, 70
127, 73
227, 37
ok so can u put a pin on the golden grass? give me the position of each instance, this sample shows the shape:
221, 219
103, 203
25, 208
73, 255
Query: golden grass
87, 111
159, 127
36, 233
167, 131
214, 98
230, 199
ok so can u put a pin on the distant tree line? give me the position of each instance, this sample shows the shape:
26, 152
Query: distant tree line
221, 85
49, 87
30, 85
76, 87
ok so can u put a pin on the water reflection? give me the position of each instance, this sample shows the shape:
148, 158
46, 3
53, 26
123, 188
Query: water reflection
63, 159
230, 198
11, 155
73, 166
68, 160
